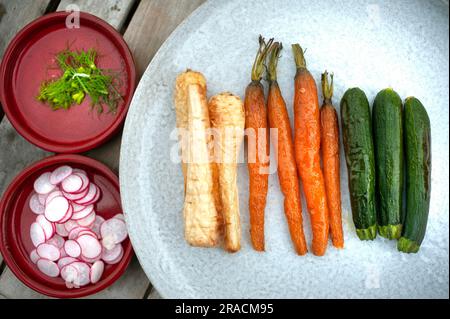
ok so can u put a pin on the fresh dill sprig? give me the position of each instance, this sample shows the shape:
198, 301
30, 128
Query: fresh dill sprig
81, 77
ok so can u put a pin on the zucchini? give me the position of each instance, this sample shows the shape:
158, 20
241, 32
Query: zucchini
388, 144
359, 156
418, 175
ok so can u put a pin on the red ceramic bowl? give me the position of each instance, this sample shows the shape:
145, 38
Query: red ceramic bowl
30, 59
16, 218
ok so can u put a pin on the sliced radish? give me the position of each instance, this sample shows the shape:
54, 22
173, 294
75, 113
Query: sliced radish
109, 255
68, 215
77, 208
114, 228
79, 171
96, 198
37, 234
90, 195
88, 220
72, 248
69, 273
56, 240
96, 225
83, 213
42, 198
73, 234
48, 227
115, 261
56, 209
61, 229
84, 271
42, 184
62, 252
59, 174
108, 242
90, 260
34, 256
87, 232
66, 261
48, 251
72, 184
48, 267
85, 179
97, 271
55, 193
35, 205
76, 196
90, 246
69, 225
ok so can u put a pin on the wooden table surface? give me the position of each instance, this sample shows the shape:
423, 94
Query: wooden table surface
144, 24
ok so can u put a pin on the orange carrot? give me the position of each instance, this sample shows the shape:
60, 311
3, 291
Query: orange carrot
258, 163
287, 171
307, 151
329, 132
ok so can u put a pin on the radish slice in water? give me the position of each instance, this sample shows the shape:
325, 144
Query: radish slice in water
96, 198
97, 271
55, 193
62, 252
66, 261
72, 184
61, 230
92, 191
120, 216
77, 208
35, 205
34, 256
42, 198
56, 209
37, 234
48, 251
57, 241
115, 261
72, 248
84, 271
69, 273
87, 232
90, 246
88, 220
112, 254
85, 180
42, 184
68, 216
73, 234
59, 174
48, 267
48, 227
115, 229
83, 213
96, 225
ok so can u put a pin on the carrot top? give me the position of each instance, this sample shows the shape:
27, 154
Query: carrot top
275, 51
327, 87
299, 56
258, 65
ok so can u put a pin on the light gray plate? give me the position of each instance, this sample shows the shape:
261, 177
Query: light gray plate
370, 44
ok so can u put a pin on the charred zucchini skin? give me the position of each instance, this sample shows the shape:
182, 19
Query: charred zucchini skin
359, 156
418, 175
388, 144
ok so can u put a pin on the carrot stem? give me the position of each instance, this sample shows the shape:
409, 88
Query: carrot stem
275, 51
299, 56
327, 87
258, 65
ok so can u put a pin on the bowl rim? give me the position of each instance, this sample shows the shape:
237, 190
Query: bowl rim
86, 144
8, 257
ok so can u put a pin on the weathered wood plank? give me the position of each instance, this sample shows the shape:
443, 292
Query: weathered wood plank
15, 14
152, 23
154, 294
13, 17
114, 12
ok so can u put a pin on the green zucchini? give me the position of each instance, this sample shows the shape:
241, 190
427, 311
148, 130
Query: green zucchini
418, 175
359, 156
388, 143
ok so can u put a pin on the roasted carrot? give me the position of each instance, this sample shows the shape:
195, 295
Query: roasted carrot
202, 221
257, 147
307, 151
183, 80
287, 171
329, 132
228, 119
